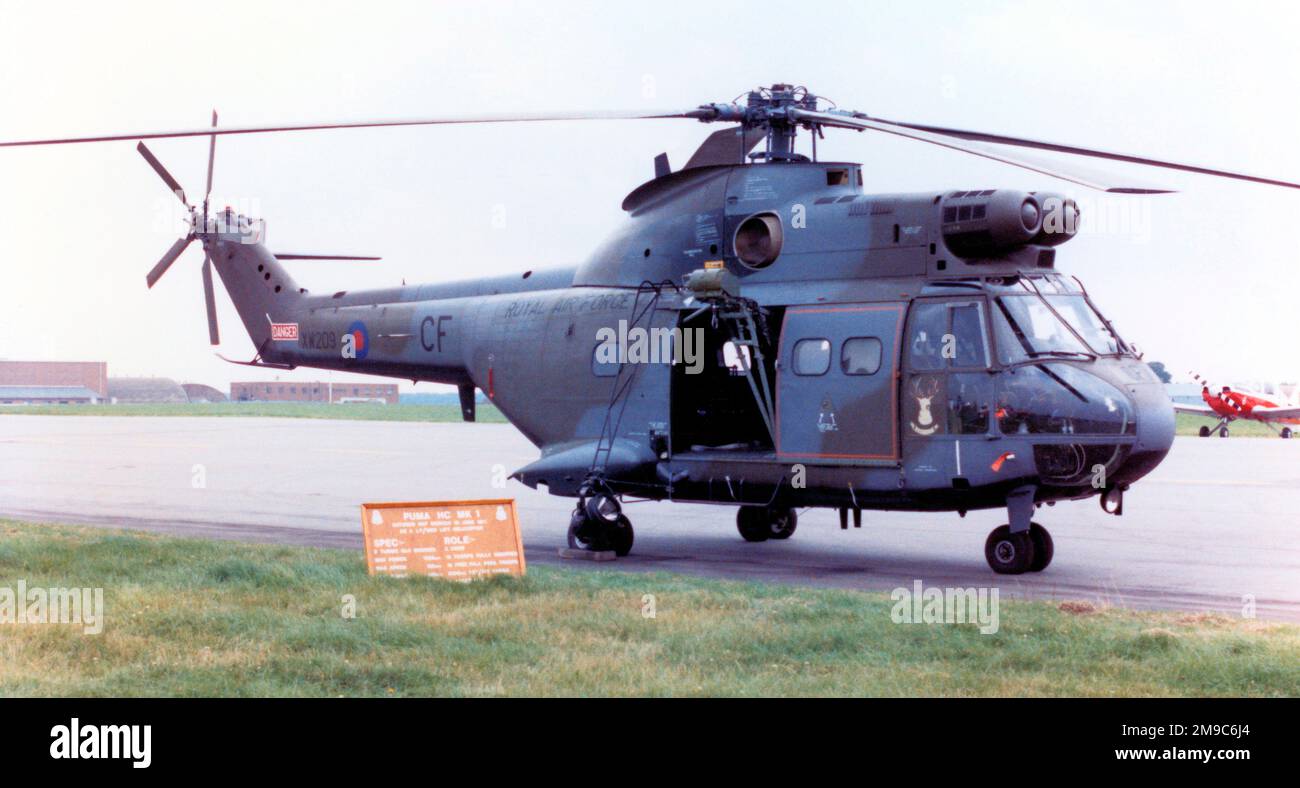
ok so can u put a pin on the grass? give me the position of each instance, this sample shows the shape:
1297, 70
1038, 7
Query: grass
1190, 424
196, 618
356, 411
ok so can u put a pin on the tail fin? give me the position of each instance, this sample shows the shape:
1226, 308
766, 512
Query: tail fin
265, 295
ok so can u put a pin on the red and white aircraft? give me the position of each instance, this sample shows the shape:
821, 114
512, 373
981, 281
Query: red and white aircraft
1275, 405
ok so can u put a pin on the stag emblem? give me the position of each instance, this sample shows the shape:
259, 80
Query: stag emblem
924, 390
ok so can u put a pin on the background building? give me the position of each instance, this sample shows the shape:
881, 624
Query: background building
279, 391
312, 391
47, 395
36, 382
364, 392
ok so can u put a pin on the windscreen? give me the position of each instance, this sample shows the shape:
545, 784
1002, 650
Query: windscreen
1030, 326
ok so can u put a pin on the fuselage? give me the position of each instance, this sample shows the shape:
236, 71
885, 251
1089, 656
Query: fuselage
910, 351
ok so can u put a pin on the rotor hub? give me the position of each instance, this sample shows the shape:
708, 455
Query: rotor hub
779, 110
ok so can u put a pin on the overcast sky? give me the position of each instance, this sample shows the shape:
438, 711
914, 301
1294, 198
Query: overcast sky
1205, 279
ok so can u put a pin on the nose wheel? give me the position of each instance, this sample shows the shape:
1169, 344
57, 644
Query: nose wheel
1016, 553
598, 528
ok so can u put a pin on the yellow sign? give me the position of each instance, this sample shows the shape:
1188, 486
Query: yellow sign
456, 540
710, 265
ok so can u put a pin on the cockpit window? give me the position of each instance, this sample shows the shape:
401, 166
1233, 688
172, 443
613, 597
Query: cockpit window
929, 324
1059, 399
968, 336
1086, 322
1026, 328
947, 334
1046, 316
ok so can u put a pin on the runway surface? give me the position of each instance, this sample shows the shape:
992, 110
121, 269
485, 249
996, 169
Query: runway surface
1216, 525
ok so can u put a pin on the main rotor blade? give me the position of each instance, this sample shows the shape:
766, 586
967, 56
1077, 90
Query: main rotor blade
212, 155
699, 112
290, 256
209, 298
1055, 170
167, 259
1001, 139
162, 173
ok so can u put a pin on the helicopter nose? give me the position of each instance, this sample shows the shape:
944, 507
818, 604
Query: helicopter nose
1155, 431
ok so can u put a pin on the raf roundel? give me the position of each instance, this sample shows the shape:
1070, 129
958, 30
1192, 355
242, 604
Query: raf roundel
360, 339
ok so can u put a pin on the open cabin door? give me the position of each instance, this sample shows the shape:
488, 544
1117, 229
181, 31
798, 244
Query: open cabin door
722, 397
837, 390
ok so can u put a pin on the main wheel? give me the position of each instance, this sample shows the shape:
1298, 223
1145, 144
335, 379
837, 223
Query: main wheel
1008, 553
1205, 431
619, 536
1043, 547
1223, 433
753, 523
781, 523
1286, 432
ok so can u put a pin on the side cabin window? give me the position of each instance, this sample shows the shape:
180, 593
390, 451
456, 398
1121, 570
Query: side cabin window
861, 356
812, 356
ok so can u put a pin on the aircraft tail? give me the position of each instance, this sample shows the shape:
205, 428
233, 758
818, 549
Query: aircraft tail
264, 294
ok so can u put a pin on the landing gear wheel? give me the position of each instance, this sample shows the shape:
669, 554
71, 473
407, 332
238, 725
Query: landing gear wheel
1223, 433
1205, 431
753, 523
619, 536
597, 535
583, 533
1043, 547
781, 523
1008, 553
1286, 433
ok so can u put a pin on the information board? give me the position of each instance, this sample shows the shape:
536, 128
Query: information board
456, 540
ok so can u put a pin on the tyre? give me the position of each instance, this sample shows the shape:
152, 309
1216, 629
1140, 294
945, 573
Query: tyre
1286, 432
1205, 431
781, 523
619, 536
1223, 433
752, 522
1043, 547
1008, 553
583, 534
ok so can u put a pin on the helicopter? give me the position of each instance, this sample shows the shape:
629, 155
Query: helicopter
822, 346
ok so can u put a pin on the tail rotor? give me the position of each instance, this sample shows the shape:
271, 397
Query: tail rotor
178, 248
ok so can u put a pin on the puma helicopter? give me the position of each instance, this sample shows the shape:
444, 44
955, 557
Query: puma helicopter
761, 333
